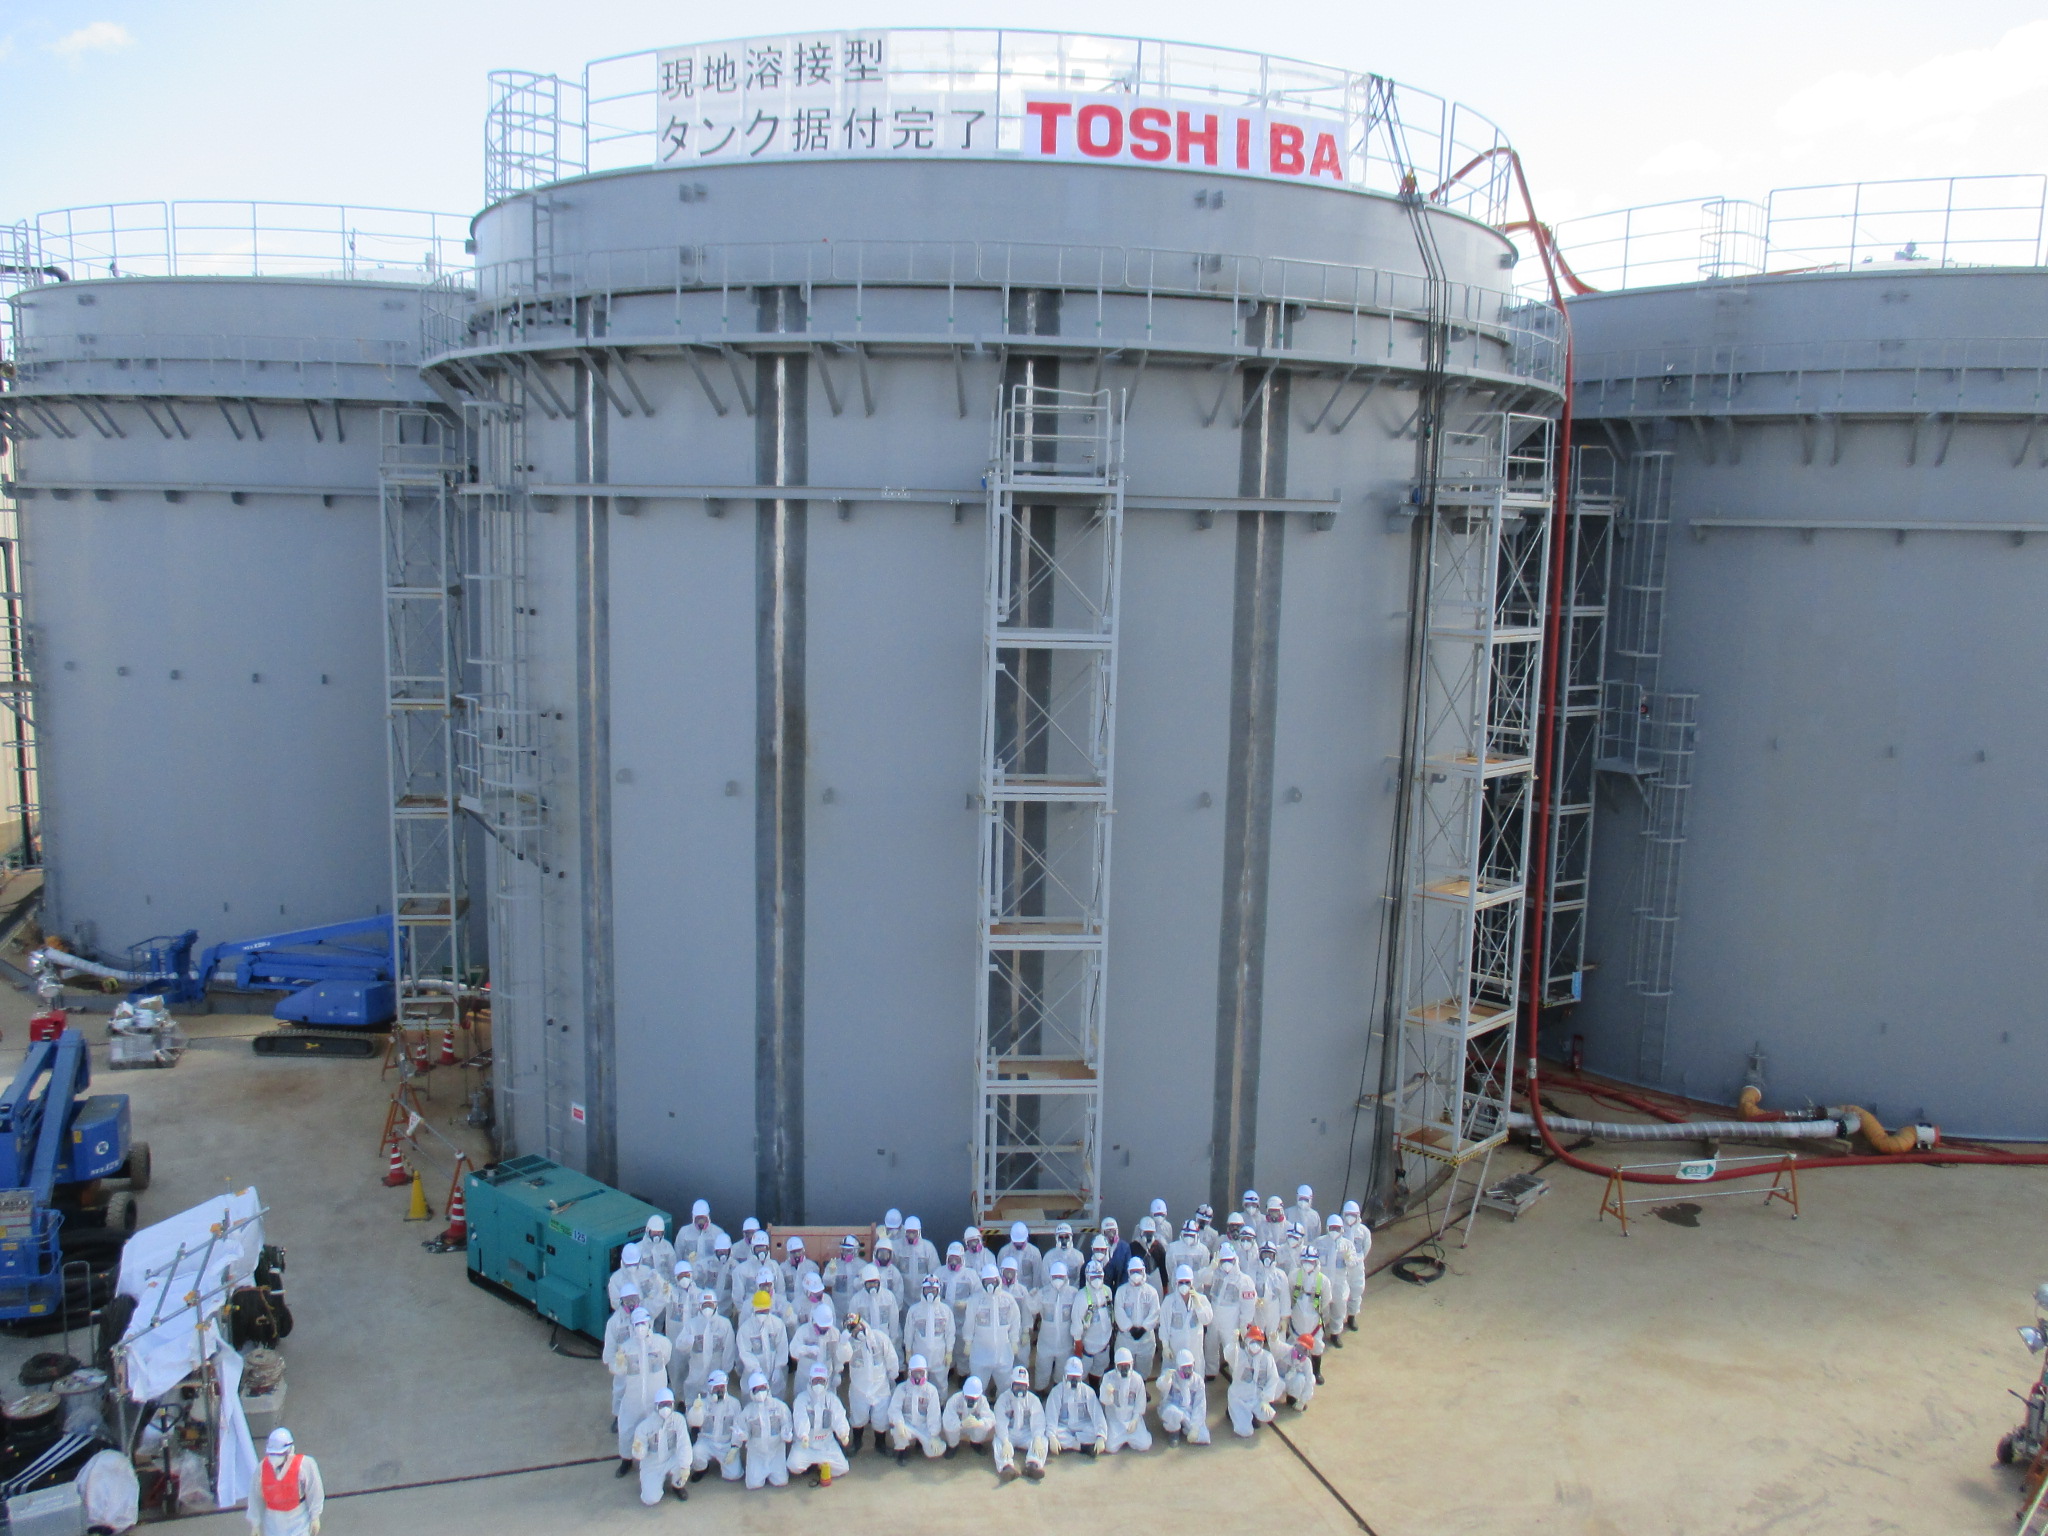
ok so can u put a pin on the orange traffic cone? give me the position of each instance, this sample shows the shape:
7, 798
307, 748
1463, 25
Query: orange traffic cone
457, 1234
395, 1175
447, 1048
419, 1050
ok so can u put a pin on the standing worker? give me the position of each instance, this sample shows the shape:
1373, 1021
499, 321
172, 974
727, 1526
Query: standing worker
617, 1329
765, 1426
1095, 1321
1064, 1252
917, 1256
1305, 1215
288, 1498
1058, 1306
1184, 1321
1137, 1317
928, 1329
641, 1362
763, 1345
704, 1345
994, 1330
700, 1237
1311, 1301
875, 1304
1334, 1252
661, 1448
870, 1378
656, 1251
821, 1433
1233, 1307
1030, 1263
1359, 1236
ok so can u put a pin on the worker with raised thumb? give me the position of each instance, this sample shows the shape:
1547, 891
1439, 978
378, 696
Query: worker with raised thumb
288, 1498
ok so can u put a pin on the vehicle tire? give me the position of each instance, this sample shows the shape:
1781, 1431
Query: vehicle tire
2005, 1451
120, 1211
137, 1169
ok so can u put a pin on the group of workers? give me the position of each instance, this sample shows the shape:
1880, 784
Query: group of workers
724, 1352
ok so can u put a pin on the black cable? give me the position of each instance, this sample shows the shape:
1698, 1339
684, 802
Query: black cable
554, 1344
1419, 1268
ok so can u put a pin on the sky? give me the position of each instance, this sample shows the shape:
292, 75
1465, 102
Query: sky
1612, 103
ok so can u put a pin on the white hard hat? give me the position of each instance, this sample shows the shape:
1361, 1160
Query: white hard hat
1137, 1267
1350, 1207
1058, 1269
758, 1240
1123, 1357
910, 1222
630, 1254
1251, 1197
954, 1249
757, 1382
1094, 1271
721, 1244
1304, 1193
793, 1245
821, 1316
707, 1301
280, 1442
1185, 1275
813, 1286
970, 1235
1158, 1207
882, 1246
869, 1275
892, 1218
699, 1208
818, 1371
1073, 1365
1335, 1222
1064, 1229
1184, 1359
989, 1275
917, 1363
751, 1224
641, 1315
850, 1241
1019, 1233
1020, 1376
1275, 1203
685, 1267
716, 1379
1109, 1224
665, 1395
629, 1288
655, 1225
971, 1387
1227, 1256
928, 1283
1009, 1264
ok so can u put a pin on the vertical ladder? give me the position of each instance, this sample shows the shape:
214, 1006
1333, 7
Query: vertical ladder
1055, 545
1582, 625
1669, 727
420, 465
1469, 801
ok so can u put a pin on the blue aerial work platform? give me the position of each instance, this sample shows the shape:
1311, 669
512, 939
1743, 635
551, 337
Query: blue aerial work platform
338, 977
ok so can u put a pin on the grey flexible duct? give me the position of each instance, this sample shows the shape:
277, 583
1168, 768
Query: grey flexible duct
1688, 1130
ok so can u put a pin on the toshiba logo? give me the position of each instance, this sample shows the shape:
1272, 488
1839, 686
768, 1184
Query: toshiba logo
1274, 144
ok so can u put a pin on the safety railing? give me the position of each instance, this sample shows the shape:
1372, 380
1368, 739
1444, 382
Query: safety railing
1945, 221
148, 349
642, 108
243, 239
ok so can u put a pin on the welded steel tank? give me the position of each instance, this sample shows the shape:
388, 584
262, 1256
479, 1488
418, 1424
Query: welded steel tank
1851, 613
194, 451
734, 914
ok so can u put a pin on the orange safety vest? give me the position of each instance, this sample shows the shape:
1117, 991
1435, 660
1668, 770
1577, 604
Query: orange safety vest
281, 1492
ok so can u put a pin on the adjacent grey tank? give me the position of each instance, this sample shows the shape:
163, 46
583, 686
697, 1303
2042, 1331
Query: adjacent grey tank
1851, 600
734, 908
194, 450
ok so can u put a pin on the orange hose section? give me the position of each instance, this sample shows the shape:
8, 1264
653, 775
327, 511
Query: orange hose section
1750, 1106
1901, 1140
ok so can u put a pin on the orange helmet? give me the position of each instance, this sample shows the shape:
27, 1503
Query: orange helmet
1256, 1332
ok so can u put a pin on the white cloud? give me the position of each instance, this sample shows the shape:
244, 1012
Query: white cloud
1941, 98
98, 37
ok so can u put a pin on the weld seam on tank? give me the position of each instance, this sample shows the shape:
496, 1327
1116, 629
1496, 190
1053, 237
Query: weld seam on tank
594, 772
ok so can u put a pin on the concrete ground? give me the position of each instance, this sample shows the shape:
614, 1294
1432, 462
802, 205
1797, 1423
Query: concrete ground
1846, 1372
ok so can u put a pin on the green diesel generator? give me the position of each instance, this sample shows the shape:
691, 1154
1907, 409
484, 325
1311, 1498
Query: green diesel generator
549, 1238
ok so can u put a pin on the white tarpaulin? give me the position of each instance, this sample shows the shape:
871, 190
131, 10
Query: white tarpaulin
181, 1272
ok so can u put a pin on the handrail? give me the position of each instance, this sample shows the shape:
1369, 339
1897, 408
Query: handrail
242, 239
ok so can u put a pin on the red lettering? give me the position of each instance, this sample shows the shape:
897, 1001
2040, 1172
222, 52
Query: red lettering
1048, 114
1186, 138
1110, 120
1244, 143
1283, 149
1325, 158
1148, 134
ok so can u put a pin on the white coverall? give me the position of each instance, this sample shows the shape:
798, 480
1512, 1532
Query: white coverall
1311, 1302
1030, 1263
715, 1420
641, 1361
1027, 1316
1137, 1322
1233, 1306
763, 1344
617, 1329
265, 1521
659, 1254
696, 1243
1059, 1304
661, 1445
968, 1420
1305, 1216
1254, 1388
813, 1346
878, 1309
1074, 1419
1184, 1319
1064, 1252
1358, 1236
842, 1281
1335, 1255
703, 1345
744, 1278
766, 1431
916, 1257
1020, 1430
894, 1280
1123, 1401
821, 1432
917, 1416
870, 1377
957, 1288
1298, 1380
1275, 1297
715, 1275
1184, 1406
1095, 1326
994, 1331
928, 1330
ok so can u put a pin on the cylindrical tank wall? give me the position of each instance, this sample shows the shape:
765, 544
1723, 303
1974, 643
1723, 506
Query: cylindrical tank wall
1866, 861
1259, 693
203, 577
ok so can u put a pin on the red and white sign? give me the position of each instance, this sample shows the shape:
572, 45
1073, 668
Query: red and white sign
1183, 135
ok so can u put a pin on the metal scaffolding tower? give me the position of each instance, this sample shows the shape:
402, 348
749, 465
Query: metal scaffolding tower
1055, 543
1474, 738
421, 463
1582, 625
1647, 736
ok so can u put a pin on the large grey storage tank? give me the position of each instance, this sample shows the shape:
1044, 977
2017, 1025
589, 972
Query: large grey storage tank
194, 426
1852, 592
739, 957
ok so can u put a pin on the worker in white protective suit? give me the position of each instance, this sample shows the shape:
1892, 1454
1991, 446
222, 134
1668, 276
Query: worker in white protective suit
1095, 1320
994, 1330
716, 1432
617, 1329
1184, 1402
1184, 1319
661, 1449
1074, 1419
1024, 1253
1187, 1249
1233, 1307
1254, 1384
1058, 1305
1162, 1221
842, 1273
819, 1342
642, 1360
1311, 1300
1124, 1398
1027, 1307
870, 1378
287, 1497
766, 1430
1359, 1236
1276, 1292
959, 1285
894, 1280
715, 1275
1137, 1317
918, 1256
969, 1418
875, 1305
704, 1344
1020, 1430
890, 1226
928, 1330
1305, 1215
977, 1255
1272, 1227
1205, 1229
1298, 1378
763, 1344
683, 1292
1064, 1252
917, 1414
700, 1238
744, 1278
1239, 1239
634, 1271
821, 1433
656, 1251
1249, 1210
798, 1266
1333, 1253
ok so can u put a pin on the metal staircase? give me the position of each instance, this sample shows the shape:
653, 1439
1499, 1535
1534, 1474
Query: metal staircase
1461, 939
1055, 543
